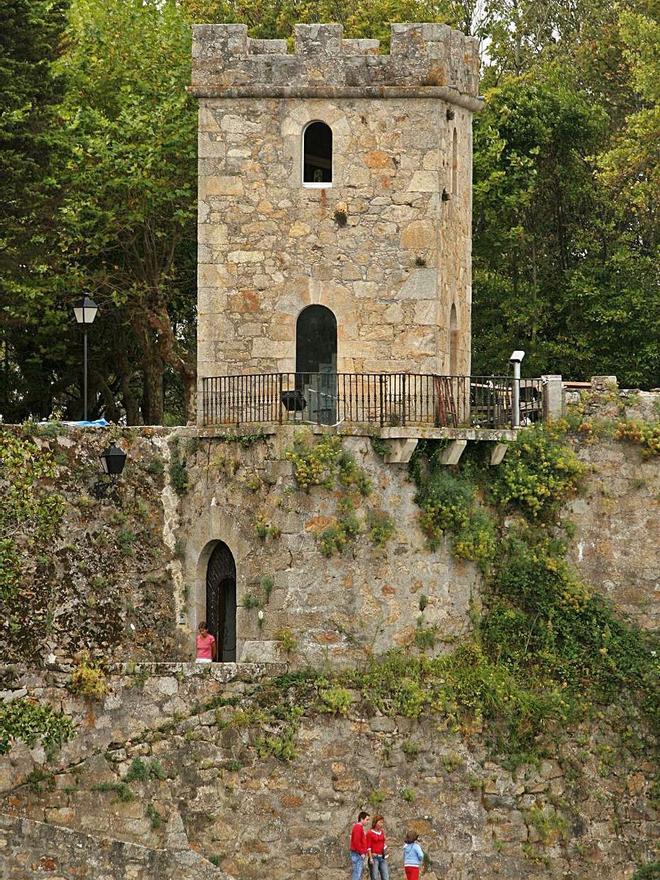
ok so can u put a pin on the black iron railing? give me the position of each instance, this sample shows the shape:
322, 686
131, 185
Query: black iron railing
383, 399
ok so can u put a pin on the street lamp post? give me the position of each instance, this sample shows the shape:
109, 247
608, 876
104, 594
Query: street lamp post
516, 359
85, 314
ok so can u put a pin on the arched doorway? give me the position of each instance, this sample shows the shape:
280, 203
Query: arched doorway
316, 363
221, 601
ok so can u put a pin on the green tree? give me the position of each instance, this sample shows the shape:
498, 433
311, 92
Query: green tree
558, 269
630, 166
128, 194
30, 32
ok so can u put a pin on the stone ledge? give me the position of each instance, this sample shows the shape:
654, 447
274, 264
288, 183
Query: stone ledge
222, 672
418, 432
56, 848
443, 93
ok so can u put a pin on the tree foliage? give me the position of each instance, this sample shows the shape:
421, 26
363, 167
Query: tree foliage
127, 208
565, 245
29, 92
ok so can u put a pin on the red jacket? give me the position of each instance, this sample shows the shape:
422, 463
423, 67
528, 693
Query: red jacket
359, 839
376, 842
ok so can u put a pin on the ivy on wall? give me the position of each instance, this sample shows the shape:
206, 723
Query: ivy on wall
541, 626
80, 569
35, 515
325, 463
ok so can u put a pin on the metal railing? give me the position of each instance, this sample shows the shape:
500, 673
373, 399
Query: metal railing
383, 399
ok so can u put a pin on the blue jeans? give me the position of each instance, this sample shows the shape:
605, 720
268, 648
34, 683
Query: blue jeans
379, 868
358, 864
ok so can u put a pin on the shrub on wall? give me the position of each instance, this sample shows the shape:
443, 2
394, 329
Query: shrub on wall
645, 434
538, 474
33, 723
178, 470
325, 463
544, 620
88, 679
448, 502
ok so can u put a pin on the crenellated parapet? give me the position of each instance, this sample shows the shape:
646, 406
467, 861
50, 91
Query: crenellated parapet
424, 60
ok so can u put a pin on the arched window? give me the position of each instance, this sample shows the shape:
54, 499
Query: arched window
454, 163
317, 155
453, 341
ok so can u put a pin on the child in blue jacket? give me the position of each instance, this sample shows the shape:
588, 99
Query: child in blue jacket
413, 856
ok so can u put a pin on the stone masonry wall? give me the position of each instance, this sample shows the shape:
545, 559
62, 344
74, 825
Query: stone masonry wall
125, 574
616, 517
215, 806
219, 805
269, 246
364, 600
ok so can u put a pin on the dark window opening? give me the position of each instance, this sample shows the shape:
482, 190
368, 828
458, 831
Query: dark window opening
453, 342
317, 153
316, 364
221, 602
316, 341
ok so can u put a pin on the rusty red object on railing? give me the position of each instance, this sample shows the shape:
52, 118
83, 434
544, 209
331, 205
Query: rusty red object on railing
381, 399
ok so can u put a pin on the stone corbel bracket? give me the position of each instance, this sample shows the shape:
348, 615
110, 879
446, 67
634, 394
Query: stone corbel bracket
425, 60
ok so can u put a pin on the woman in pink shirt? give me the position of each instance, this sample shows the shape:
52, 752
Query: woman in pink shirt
377, 850
205, 644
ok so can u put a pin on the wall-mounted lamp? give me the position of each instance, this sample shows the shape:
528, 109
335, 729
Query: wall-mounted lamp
113, 460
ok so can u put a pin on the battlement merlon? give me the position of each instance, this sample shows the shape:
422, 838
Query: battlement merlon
425, 60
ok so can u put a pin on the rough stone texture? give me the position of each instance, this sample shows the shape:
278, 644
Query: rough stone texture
366, 599
422, 57
402, 176
584, 812
617, 518
31, 850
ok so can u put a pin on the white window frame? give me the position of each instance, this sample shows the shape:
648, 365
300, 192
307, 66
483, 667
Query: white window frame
311, 184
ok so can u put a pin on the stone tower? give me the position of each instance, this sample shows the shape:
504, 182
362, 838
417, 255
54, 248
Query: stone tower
337, 177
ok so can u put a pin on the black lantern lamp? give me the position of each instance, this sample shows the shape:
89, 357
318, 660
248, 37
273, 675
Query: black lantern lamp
85, 313
113, 460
